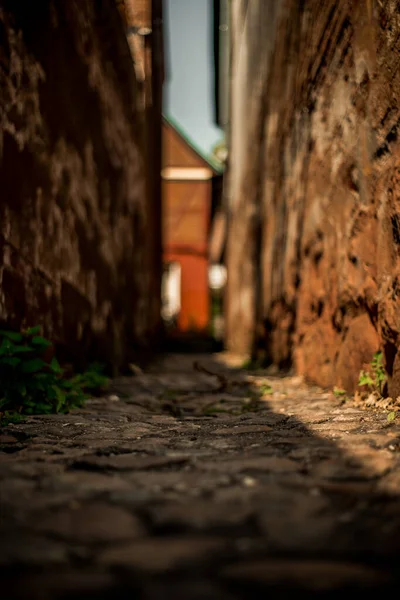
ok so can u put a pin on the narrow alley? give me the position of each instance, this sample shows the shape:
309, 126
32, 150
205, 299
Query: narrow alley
199, 299
198, 479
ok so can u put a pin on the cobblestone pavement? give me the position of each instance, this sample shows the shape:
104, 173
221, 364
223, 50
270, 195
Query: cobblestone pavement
186, 485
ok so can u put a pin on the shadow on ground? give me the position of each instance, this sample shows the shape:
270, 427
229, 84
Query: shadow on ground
197, 479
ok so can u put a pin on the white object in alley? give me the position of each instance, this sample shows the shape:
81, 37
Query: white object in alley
171, 291
217, 277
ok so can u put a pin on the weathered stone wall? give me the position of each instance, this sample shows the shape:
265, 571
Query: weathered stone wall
76, 237
315, 205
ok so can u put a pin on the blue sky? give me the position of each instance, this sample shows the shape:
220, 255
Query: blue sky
189, 89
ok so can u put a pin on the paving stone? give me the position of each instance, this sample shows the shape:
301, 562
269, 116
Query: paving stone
62, 584
125, 488
186, 482
84, 483
164, 554
237, 430
200, 515
306, 517
265, 464
349, 488
333, 427
19, 547
91, 523
306, 574
128, 462
371, 467
8, 439
194, 589
390, 483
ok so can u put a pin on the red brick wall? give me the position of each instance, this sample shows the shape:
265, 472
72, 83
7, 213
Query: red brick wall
314, 190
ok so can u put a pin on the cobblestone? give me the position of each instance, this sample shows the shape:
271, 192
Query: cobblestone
176, 488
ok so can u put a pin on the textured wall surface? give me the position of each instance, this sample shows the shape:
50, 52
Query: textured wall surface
314, 185
76, 239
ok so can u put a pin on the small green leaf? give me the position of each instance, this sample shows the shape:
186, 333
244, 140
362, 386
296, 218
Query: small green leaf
33, 330
55, 366
10, 416
66, 384
29, 403
44, 377
391, 416
97, 368
365, 379
12, 335
266, 390
60, 398
38, 340
13, 361
21, 389
21, 349
51, 392
5, 347
339, 392
30, 366
43, 408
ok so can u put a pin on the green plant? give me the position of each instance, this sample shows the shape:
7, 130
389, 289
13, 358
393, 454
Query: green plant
265, 389
376, 378
211, 410
10, 416
30, 384
338, 392
93, 379
391, 416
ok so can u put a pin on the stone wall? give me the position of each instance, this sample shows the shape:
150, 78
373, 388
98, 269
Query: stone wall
314, 185
77, 243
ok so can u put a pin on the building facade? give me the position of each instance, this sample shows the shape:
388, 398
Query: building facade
187, 182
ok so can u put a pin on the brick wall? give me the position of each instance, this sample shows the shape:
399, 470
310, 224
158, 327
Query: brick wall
78, 248
314, 189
